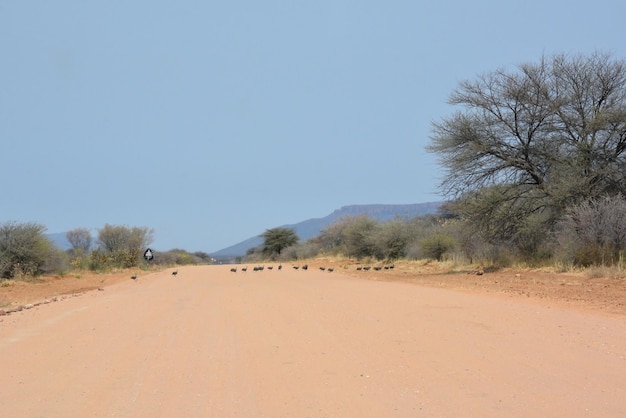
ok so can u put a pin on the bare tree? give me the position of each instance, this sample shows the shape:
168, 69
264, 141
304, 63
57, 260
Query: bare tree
80, 239
534, 141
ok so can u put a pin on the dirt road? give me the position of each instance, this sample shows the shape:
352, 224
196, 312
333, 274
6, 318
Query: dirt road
212, 343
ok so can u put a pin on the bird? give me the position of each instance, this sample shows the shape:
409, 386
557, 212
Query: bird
280, 267
175, 272
359, 268
305, 267
134, 277
244, 269
322, 268
234, 269
330, 269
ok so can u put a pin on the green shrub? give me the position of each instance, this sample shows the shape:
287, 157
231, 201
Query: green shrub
24, 250
436, 245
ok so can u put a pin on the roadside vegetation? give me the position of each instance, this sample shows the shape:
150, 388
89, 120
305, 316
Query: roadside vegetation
589, 235
534, 163
25, 251
535, 174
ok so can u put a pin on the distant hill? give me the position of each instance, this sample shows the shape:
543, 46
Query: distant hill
311, 228
59, 240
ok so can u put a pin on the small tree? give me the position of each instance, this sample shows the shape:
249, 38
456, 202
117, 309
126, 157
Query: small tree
122, 245
24, 250
277, 239
80, 239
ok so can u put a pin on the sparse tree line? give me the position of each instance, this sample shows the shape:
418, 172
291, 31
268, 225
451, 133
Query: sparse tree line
25, 251
590, 233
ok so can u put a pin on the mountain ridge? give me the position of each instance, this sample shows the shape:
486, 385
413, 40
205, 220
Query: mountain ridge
310, 228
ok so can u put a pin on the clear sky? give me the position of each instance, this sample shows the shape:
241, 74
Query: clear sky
212, 121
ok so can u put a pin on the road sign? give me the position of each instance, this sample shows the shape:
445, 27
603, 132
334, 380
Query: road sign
148, 255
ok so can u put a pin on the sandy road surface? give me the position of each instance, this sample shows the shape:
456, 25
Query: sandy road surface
211, 343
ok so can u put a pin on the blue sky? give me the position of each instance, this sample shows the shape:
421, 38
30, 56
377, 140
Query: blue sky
214, 121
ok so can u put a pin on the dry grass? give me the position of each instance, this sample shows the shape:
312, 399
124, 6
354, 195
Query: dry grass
7, 283
605, 272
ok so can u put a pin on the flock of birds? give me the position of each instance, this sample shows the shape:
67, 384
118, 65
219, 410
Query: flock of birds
295, 267
377, 268
306, 267
280, 267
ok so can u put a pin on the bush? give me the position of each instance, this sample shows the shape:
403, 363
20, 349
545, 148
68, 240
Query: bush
414, 251
593, 232
180, 257
390, 239
436, 245
58, 262
98, 260
301, 251
358, 239
24, 250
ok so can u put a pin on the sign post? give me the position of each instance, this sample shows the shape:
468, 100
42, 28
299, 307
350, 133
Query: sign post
148, 255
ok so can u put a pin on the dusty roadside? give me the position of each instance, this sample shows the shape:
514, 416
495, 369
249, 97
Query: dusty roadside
575, 290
